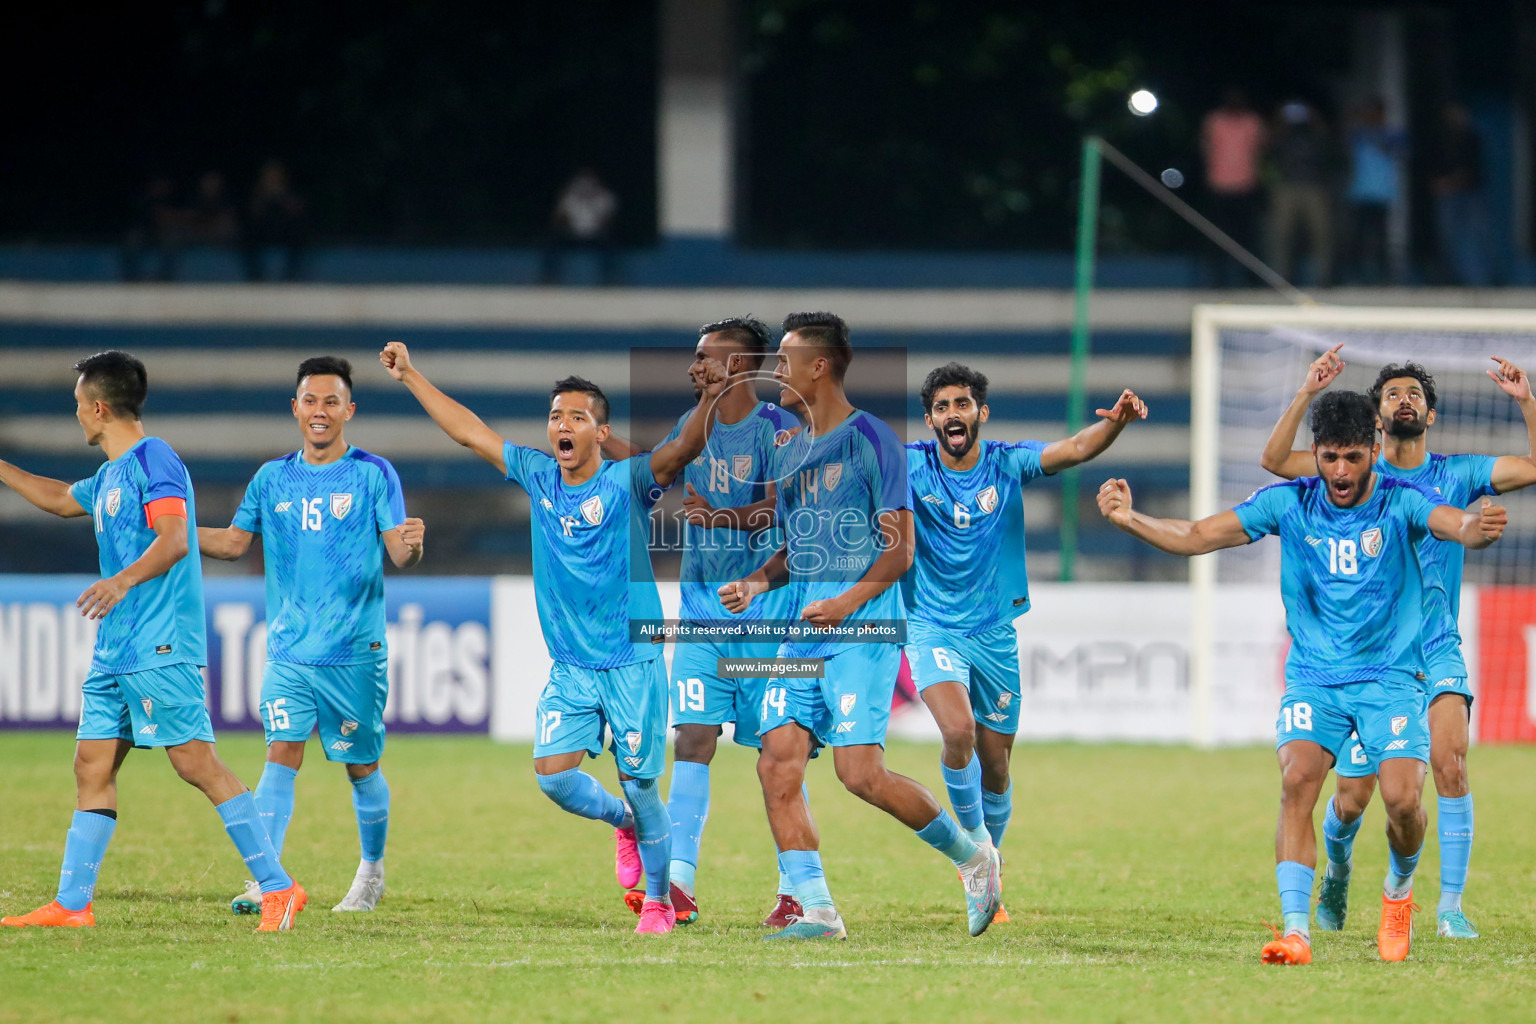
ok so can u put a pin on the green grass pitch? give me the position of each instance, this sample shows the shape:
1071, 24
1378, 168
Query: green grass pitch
1137, 878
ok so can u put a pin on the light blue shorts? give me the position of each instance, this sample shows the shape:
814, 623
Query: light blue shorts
345, 702
849, 706
1388, 719
631, 701
1351, 760
986, 664
158, 707
700, 696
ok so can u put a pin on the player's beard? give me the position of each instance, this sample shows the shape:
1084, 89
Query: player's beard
1406, 429
972, 431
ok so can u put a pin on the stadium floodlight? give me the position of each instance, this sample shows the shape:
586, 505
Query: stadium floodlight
1142, 102
1248, 362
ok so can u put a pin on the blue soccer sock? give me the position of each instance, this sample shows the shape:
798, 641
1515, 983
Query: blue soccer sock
1294, 880
805, 874
653, 834
370, 799
274, 801
85, 845
576, 791
786, 885
244, 827
688, 809
944, 835
1339, 841
1400, 869
996, 810
1455, 850
964, 785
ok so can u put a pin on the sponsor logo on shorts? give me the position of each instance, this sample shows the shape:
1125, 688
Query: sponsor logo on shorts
163, 649
1370, 542
348, 728
282, 506
634, 762
996, 716
149, 730
846, 702
341, 504
1398, 745
376, 645
987, 500
845, 726
1447, 681
1399, 723
1003, 700
342, 745
592, 510
114, 500
632, 740
148, 706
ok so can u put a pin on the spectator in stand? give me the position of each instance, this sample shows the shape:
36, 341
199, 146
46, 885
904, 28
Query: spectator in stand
275, 219
583, 218
212, 219
1232, 138
1456, 179
1304, 159
1376, 151
155, 231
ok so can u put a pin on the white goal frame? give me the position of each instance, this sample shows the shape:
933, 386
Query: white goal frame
1205, 438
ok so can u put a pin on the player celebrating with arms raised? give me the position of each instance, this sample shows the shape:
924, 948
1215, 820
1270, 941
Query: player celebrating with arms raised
144, 688
327, 514
968, 582
843, 504
1405, 404
1353, 593
592, 582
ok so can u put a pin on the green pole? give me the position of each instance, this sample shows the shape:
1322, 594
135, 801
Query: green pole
1077, 391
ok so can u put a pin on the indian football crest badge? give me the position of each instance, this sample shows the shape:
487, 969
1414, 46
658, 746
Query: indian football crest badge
987, 500
592, 510
1003, 700
632, 740
831, 475
1399, 723
1370, 542
348, 728
846, 702
741, 468
148, 706
341, 504
114, 500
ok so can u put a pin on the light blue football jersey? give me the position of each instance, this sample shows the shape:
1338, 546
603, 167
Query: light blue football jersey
968, 573
1349, 577
322, 543
1455, 480
831, 489
160, 622
591, 561
732, 472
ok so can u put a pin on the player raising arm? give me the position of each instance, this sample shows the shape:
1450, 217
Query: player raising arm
586, 514
327, 513
968, 582
144, 688
1405, 402
1353, 595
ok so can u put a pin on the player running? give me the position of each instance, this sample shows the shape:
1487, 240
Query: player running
842, 501
1354, 607
730, 530
590, 522
1405, 402
144, 688
327, 514
968, 582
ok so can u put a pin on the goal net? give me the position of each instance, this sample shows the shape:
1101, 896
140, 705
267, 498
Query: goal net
1248, 363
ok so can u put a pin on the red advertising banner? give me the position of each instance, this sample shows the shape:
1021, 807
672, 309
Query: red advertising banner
1507, 664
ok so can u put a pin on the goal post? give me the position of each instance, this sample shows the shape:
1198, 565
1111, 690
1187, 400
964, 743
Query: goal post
1247, 363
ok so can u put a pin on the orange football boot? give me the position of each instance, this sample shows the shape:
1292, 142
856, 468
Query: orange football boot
1396, 932
278, 909
1290, 950
54, 915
